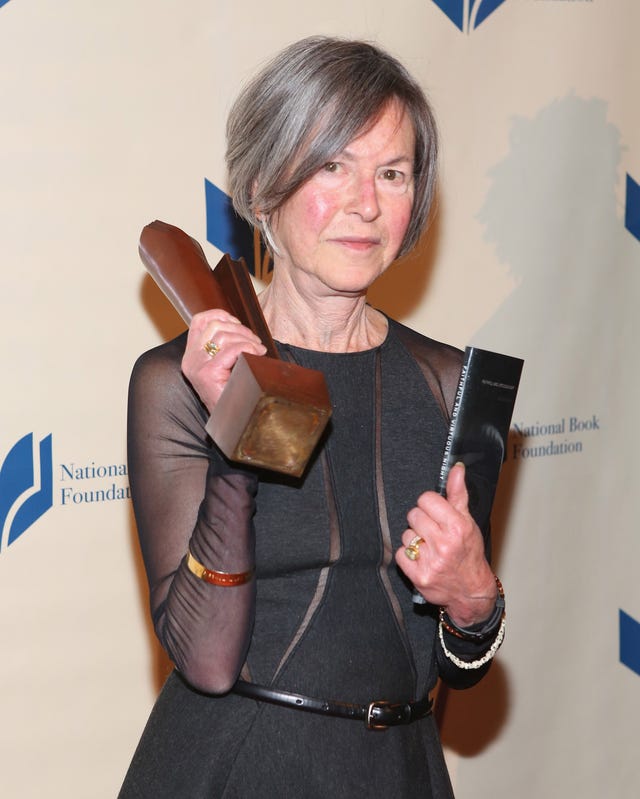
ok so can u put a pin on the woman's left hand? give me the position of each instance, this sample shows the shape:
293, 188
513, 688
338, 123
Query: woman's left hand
450, 569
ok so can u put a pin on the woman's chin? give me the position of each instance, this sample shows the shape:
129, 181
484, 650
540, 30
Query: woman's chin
352, 283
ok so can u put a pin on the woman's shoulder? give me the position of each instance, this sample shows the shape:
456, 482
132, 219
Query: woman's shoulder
440, 363
423, 347
166, 356
160, 365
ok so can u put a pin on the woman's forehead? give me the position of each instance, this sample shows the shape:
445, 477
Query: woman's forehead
327, 138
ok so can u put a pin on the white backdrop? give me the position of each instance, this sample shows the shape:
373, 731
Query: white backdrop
112, 114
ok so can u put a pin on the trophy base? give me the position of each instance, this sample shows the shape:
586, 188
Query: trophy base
271, 414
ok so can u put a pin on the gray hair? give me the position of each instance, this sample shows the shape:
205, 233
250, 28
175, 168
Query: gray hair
304, 108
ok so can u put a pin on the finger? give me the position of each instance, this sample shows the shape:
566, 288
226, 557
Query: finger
414, 548
212, 332
457, 489
443, 515
203, 319
229, 350
421, 523
224, 340
223, 334
435, 507
410, 533
204, 325
408, 566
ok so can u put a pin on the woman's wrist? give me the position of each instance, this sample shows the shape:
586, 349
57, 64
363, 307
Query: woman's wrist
477, 603
477, 630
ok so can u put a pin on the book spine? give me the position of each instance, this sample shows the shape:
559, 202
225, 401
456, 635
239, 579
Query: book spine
445, 465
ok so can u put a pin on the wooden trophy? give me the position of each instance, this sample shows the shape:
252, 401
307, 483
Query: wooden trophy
271, 412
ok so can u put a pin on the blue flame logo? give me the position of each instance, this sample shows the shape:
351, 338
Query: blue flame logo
630, 642
468, 14
632, 208
26, 487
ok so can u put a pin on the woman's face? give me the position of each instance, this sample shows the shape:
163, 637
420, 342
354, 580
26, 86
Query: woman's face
345, 225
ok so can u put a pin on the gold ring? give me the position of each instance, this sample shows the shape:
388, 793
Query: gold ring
413, 550
211, 348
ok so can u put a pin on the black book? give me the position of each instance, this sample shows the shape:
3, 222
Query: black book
479, 428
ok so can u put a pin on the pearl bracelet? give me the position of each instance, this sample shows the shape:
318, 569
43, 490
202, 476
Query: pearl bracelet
474, 664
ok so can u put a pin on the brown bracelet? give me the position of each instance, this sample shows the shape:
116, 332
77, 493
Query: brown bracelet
225, 579
469, 635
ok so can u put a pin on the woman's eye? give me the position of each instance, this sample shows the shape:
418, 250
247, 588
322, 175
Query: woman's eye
393, 175
331, 166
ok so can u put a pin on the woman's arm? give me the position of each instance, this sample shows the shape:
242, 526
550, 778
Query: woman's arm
187, 498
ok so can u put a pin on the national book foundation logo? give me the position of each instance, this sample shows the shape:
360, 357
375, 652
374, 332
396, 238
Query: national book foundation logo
468, 14
26, 487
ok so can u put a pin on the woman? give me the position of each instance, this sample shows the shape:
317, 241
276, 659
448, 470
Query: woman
261, 586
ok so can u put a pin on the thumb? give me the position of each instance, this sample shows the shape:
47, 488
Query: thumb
457, 488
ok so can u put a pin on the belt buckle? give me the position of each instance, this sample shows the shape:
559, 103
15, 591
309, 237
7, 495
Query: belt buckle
371, 724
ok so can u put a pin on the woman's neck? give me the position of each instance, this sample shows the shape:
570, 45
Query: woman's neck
329, 323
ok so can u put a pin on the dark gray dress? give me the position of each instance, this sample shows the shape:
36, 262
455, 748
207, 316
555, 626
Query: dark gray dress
331, 617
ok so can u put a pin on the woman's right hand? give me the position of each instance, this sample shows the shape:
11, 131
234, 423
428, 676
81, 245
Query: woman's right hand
209, 374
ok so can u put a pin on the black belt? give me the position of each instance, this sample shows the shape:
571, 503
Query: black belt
376, 715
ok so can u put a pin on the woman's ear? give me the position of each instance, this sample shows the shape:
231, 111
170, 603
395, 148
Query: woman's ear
264, 225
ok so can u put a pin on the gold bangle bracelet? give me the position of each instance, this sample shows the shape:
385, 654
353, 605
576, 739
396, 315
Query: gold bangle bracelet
224, 579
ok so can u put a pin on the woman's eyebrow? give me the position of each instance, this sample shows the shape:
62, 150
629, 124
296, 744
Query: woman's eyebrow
398, 159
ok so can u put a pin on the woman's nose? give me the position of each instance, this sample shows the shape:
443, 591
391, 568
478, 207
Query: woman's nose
363, 198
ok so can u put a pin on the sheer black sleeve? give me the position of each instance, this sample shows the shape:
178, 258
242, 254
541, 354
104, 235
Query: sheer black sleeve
187, 497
